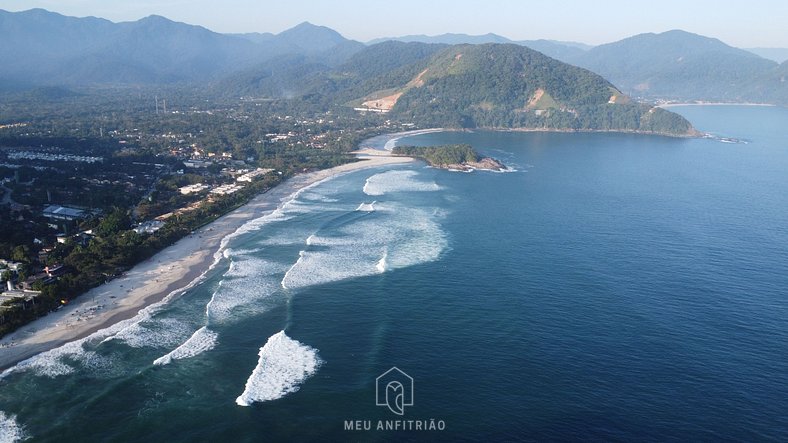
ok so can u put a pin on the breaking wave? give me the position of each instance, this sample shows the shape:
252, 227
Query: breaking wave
246, 282
397, 181
366, 207
201, 341
10, 430
161, 333
397, 238
283, 365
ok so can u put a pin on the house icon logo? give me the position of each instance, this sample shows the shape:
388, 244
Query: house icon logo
394, 389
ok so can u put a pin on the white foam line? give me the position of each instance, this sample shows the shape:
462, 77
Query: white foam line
164, 332
201, 341
301, 255
392, 142
10, 430
205, 339
283, 365
381, 266
367, 207
276, 214
397, 181
210, 303
50, 363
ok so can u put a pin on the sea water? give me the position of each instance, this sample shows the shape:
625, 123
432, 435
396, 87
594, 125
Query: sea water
614, 287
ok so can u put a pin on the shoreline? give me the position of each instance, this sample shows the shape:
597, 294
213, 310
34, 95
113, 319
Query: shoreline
178, 267
394, 137
673, 105
170, 272
390, 140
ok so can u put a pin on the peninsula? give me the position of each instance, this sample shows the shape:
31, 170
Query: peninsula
461, 157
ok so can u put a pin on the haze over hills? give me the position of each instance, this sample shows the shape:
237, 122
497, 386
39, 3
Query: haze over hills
556, 49
48, 49
52, 49
679, 65
778, 55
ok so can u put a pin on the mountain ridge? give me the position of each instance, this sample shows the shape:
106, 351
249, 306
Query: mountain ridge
677, 65
44, 49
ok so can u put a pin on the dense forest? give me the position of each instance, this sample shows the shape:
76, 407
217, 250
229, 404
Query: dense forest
509, 86
441, 154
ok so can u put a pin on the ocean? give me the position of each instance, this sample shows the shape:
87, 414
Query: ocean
612, 287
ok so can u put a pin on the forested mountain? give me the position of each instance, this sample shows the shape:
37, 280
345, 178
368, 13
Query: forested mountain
45, 48
678, 65
495, 85
771, 87
556, 49
375, 67
778, 55
490, 85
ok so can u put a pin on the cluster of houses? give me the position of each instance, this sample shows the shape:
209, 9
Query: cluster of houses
241, 176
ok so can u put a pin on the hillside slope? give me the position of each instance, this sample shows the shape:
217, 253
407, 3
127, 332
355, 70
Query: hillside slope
38, 47
677, 65
511, 86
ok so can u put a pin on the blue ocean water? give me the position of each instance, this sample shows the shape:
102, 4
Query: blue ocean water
614, 288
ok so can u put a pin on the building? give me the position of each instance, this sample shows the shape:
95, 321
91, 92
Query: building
12, 265
64, 213
197, 187
249, 176
197, 163
226, 189
149, 227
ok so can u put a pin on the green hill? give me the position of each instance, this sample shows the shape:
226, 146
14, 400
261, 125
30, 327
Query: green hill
511, 86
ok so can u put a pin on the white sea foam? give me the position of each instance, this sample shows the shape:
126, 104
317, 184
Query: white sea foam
246, 282
159, 333
367, 207
318, 197
202, 340
397, 181
381, 266
283, 365
10, 430
66, 358
395, 138
62, 361
397, 237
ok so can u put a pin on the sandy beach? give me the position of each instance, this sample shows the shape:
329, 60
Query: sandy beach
168, 272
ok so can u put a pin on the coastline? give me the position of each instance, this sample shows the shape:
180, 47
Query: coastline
673, 105
393, 138
595, 131
388, 141
170, 272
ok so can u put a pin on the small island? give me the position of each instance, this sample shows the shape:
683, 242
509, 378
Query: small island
461, 157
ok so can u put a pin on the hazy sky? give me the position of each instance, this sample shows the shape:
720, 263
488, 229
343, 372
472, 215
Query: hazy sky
738, 23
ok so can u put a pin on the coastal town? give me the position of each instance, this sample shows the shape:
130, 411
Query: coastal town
82, 206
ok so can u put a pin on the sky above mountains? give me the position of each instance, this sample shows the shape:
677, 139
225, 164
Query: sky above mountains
756, 23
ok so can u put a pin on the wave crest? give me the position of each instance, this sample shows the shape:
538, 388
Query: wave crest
201, 341
10, 430
397, 181
283, 365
